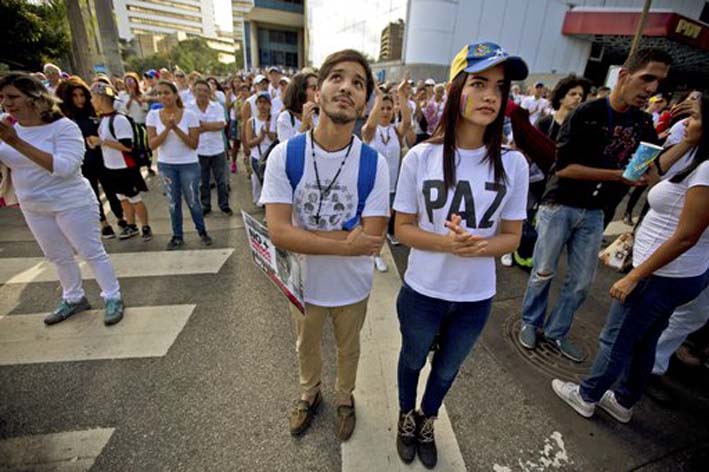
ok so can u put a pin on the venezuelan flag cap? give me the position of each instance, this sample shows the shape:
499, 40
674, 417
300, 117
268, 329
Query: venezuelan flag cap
478, 57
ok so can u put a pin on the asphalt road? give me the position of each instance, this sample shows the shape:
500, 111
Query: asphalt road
219, 398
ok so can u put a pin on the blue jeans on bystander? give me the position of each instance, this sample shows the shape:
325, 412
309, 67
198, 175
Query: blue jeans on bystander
581, 232
182, 180
627, 344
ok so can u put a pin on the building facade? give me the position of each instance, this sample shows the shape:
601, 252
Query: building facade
149, 22
555, 38
273, 33
392, 42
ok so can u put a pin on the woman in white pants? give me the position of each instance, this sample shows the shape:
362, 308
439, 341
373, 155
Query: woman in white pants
44, 152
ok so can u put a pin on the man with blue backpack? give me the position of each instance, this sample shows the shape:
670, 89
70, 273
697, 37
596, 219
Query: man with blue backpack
327, 198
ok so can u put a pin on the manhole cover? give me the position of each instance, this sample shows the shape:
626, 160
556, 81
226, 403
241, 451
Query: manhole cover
547, 359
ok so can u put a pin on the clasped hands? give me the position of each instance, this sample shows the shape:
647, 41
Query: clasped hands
461, 242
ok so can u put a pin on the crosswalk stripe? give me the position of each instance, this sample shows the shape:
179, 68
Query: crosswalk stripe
22, 270
143, 332
68, 451
372, 446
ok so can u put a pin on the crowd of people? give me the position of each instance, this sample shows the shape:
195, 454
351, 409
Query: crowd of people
485, 171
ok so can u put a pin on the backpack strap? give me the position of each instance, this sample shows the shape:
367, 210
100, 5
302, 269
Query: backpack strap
111, 128
295, 159
365, 182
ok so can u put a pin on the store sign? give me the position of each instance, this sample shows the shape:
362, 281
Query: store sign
688, 29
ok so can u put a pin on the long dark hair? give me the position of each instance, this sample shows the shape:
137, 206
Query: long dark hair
445, 132
702, 149
65, 92
296, 92
43, 102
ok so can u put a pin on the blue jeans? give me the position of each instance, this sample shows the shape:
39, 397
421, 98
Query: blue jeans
629, 339
182, 180
420, 319
581, 232
215, 164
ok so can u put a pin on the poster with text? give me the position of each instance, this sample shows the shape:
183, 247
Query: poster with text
282, 267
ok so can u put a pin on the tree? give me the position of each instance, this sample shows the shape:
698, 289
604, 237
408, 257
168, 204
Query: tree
33, 33
190, 54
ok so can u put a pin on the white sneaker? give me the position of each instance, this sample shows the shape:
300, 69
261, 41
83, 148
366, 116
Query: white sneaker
611, 406
569, 392
392, 239
380, 265
506, 260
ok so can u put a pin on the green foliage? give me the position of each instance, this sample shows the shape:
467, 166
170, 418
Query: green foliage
33, 33
190, 54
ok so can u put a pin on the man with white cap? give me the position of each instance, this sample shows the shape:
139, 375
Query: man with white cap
278, 94
54, 76
249, 108
274, 76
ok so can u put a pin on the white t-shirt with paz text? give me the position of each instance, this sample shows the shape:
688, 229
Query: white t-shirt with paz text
666, 201
477, 198
113, 158
329, 281
173, 150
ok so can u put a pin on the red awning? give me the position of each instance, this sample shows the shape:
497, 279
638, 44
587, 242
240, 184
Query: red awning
624, 22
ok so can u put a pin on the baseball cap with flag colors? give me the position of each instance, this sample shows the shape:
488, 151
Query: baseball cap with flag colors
477, 57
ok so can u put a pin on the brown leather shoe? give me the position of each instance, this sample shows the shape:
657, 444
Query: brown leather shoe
302, 415
346, 421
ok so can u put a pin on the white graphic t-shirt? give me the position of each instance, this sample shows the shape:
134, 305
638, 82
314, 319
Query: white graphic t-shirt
330, 281
477, 198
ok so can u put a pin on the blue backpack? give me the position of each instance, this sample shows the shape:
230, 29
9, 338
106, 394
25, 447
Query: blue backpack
295, 164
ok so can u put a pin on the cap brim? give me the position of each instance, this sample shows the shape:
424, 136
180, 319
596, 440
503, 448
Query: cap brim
515, 67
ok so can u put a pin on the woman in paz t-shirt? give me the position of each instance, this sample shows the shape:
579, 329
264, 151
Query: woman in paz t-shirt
174, 132
387, 138
460, 203
670, 269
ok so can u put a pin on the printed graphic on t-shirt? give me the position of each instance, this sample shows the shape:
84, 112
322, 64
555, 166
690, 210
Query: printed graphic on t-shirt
463, 203
339, 205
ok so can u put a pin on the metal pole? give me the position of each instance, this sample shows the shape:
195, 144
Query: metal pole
641, 27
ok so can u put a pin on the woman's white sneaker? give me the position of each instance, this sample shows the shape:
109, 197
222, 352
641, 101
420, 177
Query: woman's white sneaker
611, 406
380, 264
569, 392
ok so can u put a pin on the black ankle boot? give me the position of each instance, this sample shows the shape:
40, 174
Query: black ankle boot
406, 436
428, 454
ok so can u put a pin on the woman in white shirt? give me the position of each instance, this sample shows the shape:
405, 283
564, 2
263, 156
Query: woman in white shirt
136, 106
300, 111
670, 268
388, 139
460, 202
260, 134
174, 132
44, 152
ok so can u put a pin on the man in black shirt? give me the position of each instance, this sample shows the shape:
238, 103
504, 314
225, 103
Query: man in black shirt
594, 145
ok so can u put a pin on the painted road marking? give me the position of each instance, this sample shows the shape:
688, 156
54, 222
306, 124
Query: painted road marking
143, 332
372, 446
23, 270
69, 451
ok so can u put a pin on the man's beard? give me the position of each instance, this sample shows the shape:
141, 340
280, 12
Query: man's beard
340, 118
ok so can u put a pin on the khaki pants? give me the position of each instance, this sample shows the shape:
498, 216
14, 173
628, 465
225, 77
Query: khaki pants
347, 322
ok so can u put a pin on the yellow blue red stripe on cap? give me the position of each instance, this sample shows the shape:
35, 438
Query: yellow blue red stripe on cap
478, 57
